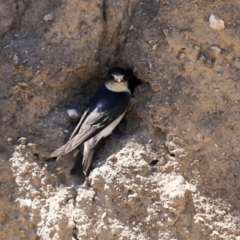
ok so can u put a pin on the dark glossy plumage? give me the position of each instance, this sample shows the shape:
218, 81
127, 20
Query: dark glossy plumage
104, 112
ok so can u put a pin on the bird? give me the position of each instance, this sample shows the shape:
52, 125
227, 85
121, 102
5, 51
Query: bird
103, 113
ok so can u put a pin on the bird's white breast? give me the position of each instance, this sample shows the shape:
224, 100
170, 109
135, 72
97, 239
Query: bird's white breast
108, 130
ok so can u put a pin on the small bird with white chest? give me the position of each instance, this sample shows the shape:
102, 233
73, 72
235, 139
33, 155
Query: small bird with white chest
104, 112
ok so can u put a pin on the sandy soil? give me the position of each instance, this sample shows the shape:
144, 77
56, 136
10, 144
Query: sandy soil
174, 172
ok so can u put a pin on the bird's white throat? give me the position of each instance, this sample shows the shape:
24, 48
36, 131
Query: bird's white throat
117, 86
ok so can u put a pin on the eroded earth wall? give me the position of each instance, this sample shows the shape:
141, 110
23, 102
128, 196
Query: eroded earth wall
174, 172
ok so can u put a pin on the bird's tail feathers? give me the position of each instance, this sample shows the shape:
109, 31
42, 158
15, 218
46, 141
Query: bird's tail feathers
89, 148
87, 161
59, 152
72, 143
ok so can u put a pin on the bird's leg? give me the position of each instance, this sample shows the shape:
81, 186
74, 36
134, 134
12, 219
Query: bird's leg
77, 165
116, 135
78, 154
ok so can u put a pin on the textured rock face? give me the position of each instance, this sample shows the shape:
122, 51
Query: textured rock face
174, 173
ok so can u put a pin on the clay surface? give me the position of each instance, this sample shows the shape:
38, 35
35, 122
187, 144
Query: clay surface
174, 171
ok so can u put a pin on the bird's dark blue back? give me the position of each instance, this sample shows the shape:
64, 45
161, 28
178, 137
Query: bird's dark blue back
105, 100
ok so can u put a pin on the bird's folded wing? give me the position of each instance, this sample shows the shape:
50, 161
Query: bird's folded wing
79, 124
93, 124
74, 142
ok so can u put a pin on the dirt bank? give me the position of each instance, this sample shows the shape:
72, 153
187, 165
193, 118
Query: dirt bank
174, 172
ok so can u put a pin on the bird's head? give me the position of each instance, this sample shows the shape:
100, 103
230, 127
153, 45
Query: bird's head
117, 79
117, 74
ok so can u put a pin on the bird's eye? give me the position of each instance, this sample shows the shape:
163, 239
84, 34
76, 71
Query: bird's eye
125, 78
112, 77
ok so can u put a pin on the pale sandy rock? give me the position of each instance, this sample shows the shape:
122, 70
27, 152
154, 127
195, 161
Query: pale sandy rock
48, 17
72, 113
173, 171
216, 23
216, 48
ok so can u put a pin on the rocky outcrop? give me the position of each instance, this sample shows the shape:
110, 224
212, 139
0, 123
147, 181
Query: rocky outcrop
173, 174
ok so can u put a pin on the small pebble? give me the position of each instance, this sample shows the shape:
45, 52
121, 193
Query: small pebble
154, 48
9, 140
166, 32
216, 48
23, 140
15, 59
104, 215
131, 28
32, 145
23, 84
197, 48
166, 3
48, 17
181, 55
24, 61
149, 65
15, 90
72, 113
216, 23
